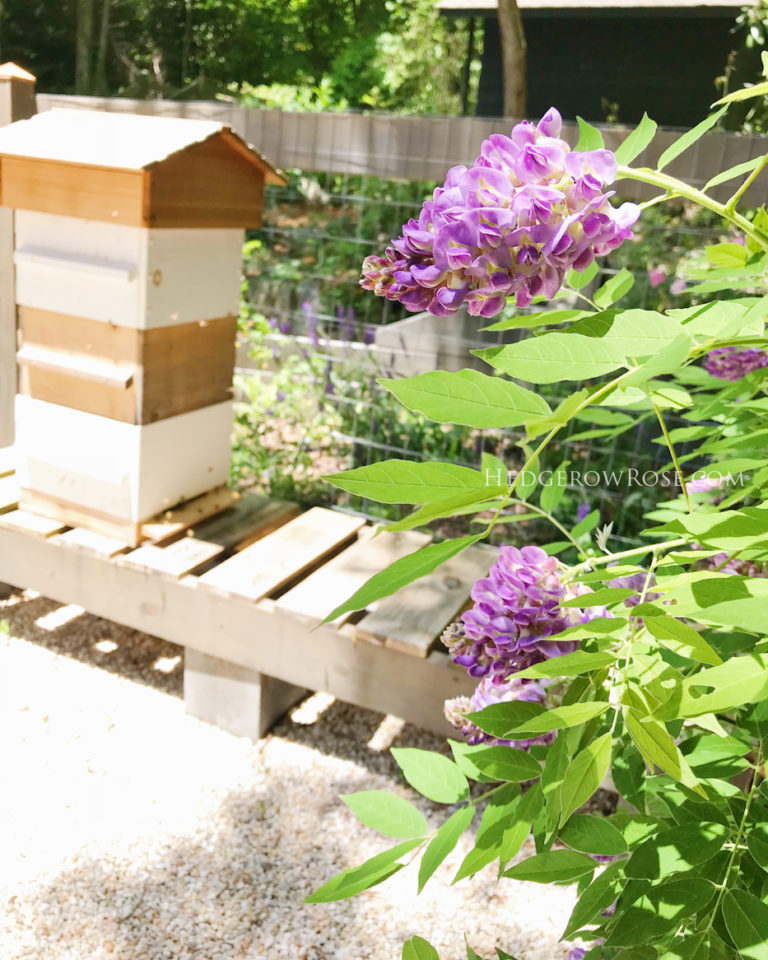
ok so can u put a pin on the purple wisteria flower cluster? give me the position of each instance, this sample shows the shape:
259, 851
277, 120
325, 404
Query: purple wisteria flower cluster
513, 224
730, 363
512, 625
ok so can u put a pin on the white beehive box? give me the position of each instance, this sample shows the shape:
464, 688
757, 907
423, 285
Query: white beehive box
129, 232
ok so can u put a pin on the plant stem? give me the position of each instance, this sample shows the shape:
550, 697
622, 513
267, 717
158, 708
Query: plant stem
673, 454
677, 188
543, 513
731, 204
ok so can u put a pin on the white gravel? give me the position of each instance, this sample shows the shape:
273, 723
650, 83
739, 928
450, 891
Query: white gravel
130, 831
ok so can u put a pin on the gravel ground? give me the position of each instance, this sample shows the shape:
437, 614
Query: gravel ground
131, 831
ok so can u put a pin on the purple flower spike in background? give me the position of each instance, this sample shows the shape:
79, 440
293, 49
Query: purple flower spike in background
512, 225
730, 363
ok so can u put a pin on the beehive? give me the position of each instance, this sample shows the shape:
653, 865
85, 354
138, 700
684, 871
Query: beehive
129, 232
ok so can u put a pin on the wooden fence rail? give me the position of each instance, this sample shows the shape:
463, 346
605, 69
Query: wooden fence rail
416, 148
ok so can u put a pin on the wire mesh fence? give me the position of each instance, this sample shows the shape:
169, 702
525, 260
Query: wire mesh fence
302, 275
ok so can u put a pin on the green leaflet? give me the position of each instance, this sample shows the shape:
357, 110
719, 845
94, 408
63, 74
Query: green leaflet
400, 573
738, 681
733, 172
450, 507
745, 93
569, 665
746, 918
417, 948
516, 720
468, 397
636, 142
658, 748
505, 763
443, 842
590, 137
356, 879
433, 775
728, 530
593, 834
584, 775
688, 139
386, 812
722, 600
408, 481
614, 289
599, 895
673, 851
682, 639
501, 817
547, 318
594, 346
556, 866
660, 911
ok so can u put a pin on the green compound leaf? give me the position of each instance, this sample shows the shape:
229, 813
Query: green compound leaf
593, 834
599, 895
417, 948
406, 481
433, 775
673, 851
590, 137
444, 842
468, 397
556, 866
386, 812
636, 142
368, 874
402, 572
660, 911
746, 918
584, 775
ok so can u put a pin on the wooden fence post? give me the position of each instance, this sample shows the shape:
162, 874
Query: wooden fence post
17, 102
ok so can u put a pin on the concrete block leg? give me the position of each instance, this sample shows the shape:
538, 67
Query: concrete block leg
240, 701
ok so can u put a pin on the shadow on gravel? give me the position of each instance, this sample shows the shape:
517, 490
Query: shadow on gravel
71, 632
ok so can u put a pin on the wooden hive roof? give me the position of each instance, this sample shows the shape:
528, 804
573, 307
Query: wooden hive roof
131, 169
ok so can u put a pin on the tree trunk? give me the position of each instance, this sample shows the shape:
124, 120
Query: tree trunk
513, 58
83, 49
100, 73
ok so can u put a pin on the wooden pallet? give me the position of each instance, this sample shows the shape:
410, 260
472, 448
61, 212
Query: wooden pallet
245, 588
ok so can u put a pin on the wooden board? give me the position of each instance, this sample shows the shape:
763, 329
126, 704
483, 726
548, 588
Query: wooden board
63, 513
135, 376
209, 184
96, 544
275, 559
74, 190
171, 524
250, 517
335, 581
7, 460
121, 470
412, 619
9, 492
124, 275
177, 559
185, 367
236, 629
32, 523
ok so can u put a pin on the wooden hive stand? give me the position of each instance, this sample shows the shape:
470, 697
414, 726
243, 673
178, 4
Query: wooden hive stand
241, 584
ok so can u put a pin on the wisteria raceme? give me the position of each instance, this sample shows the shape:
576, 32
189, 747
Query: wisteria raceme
516, 612
730, 363
513, 224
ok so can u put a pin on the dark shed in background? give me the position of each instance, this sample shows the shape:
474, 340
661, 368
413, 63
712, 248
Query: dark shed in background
656, 55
